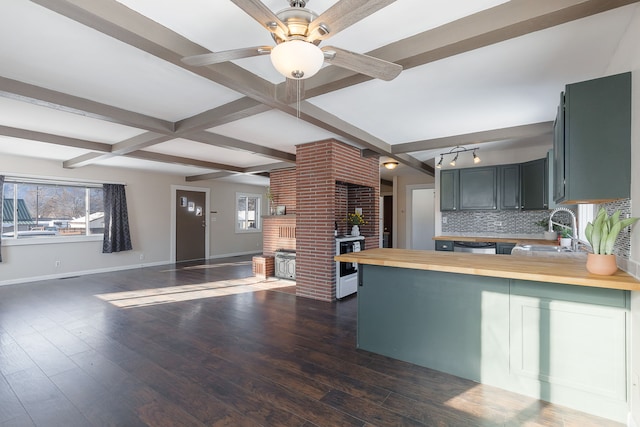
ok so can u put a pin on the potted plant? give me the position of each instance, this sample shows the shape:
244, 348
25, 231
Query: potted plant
565, 238
549, 235
355, 220
602, 235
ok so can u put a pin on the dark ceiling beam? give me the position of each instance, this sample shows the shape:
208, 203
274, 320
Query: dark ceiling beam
506, 21
54, 139
236, 144
129, 145
340, 127
128, 26
208, 176
13, 89
510, 133
253, 170
177, 160
227, 113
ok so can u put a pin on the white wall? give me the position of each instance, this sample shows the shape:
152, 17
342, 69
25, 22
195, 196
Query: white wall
627, 58
149, 204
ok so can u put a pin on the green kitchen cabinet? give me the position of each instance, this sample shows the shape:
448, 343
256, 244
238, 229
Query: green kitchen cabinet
449, 187
509, 187
504, 248
444, 245
479, 188
533, 185
592, 141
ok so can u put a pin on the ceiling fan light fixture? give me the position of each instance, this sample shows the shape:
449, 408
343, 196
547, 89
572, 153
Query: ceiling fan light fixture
390, 165
297, 59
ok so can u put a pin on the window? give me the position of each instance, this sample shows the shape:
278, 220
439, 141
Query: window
48, 209
248, 212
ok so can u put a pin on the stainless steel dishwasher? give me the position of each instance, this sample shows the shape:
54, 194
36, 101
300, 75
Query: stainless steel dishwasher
475, 247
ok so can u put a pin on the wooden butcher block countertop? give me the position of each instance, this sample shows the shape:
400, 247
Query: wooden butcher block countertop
507, 239
569, 271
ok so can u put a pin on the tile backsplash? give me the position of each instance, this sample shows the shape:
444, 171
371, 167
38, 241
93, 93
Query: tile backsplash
505, 222
516, 222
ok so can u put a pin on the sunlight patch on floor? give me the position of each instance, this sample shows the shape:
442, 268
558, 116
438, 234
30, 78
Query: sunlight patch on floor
209, 266
145, 297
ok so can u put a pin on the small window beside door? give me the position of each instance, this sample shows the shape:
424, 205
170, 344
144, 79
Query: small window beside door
248, 216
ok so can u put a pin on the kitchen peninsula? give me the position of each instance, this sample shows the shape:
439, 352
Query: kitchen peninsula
537, 326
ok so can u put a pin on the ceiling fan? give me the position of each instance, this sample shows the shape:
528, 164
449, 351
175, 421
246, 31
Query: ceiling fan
298, 32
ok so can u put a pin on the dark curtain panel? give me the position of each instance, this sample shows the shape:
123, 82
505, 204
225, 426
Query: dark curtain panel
116, 220
1, 204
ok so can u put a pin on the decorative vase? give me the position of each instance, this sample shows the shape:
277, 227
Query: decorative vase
550, 235
355, 230
565, 242
603, 265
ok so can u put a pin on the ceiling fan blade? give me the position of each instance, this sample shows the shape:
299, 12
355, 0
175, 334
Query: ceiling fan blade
265, 17
227, 55
342, 15
364, 64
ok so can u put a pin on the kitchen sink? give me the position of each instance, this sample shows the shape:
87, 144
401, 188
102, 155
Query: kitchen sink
544, 248
547, 251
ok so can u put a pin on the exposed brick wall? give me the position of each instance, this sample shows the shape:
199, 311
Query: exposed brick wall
328, 173
278, 232
283, 187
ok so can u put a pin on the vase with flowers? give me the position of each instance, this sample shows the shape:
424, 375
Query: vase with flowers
355, 220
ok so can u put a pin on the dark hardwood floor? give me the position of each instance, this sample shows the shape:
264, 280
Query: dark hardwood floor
199, 344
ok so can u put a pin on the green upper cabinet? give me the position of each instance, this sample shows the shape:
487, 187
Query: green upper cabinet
449, 187
533, 189
509, 186
479, 188
592, 144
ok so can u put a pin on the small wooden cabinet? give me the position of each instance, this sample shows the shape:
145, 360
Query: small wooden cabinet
592, 141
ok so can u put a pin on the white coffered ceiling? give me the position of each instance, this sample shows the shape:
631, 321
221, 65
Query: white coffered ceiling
101, 82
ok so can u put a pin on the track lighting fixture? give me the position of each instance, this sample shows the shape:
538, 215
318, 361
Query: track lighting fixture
476, 159
457, 150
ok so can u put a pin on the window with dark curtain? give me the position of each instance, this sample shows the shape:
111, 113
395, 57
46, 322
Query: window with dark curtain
1, 219
116, 220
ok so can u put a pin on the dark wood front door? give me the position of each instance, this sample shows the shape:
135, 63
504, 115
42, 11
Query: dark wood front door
191, 225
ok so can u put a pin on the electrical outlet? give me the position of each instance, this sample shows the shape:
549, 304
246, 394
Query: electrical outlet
57, 264
444, 219
141, 257
497, 223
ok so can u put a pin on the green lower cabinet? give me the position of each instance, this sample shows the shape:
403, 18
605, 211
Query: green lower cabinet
569, 346
560, 343
504, 248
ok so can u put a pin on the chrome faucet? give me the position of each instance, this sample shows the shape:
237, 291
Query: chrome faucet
574, 227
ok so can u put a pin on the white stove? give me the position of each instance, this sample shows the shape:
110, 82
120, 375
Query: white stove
347, 272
